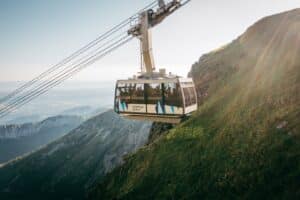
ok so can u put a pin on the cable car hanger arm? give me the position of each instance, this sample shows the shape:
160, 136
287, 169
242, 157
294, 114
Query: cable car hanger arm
156, 17
147, 20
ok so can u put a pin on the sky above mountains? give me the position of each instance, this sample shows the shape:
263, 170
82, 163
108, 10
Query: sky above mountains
37, 34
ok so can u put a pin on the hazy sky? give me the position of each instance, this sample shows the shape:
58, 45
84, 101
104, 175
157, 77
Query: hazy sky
35, 34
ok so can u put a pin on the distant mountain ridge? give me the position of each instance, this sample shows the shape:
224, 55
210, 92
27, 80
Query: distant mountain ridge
85, 111
65, 168
16, 140
29, 129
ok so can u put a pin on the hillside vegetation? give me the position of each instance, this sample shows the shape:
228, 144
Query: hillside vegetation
244, 142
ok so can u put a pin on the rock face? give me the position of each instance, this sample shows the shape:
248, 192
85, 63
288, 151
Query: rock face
16, 140
244, 140
158, 130
68, 166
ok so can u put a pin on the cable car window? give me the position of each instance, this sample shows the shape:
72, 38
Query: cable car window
189, 96
154, 93
172, 94
122, 97
123, 91
137, 94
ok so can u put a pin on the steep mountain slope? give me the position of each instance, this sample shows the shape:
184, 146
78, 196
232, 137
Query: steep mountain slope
65, 168
244, 141
16, 140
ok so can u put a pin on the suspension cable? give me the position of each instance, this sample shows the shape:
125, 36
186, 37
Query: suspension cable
77, 53
65, 70
80, 67
45, 84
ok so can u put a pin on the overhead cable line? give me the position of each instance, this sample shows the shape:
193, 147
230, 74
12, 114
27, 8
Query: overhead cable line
66, 60
82, 65
66, 69
77, 53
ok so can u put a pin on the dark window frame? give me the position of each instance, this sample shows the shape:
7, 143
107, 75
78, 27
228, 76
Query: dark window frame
174, 98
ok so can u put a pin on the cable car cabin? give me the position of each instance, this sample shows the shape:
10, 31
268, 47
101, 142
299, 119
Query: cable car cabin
166, 100
152, 95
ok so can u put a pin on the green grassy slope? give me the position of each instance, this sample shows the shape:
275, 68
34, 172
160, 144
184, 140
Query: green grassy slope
244, 141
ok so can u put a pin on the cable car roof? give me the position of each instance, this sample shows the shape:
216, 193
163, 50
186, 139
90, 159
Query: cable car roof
159, 80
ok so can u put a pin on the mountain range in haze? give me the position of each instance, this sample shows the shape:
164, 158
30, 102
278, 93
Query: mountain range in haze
17, 140
66, 168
